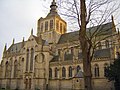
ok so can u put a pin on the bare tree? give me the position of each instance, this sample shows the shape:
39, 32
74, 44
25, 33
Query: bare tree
88, 13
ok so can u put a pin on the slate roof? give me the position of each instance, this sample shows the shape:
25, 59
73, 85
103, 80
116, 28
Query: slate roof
102, 53
72, 36
55, 59
37, 39
15, 47
105, 29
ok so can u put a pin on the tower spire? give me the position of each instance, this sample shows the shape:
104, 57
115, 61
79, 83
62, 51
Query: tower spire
53, 6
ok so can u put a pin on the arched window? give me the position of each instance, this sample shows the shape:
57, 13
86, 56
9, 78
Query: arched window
61, 28
15, 69
46, 25
105, 69
41, 27
57, 25
63, 72
56, 72
78, 68
107, 44
35, 66
96, 71
70, 71
7, 70
50, 72
22, 65
31, 59
51, 24
27, 59
64, 28
2, 68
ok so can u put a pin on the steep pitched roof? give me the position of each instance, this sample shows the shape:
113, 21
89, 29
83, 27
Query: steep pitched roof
104, 29
102, 53
37, 39
15, 47
72, 36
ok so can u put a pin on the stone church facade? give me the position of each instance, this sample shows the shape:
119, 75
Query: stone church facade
52, 59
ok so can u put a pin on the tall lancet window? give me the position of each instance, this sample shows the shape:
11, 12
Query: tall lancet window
41, 27
2, 65
51, 24
105, 69
60, 27
7, 70
57, 25
31, 59
56, 72
15, 69
50, 72
27, 59
63, 72
70, 71
78, 68
46, 26
96, 71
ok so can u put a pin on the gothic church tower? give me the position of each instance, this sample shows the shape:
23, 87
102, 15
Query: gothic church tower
52, 26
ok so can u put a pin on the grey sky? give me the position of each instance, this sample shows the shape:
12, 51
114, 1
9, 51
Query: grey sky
17, 18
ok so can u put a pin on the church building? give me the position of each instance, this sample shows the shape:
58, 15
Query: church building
52, 59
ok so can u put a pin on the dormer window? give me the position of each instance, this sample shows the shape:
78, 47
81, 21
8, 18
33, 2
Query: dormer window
46, 26
51, 24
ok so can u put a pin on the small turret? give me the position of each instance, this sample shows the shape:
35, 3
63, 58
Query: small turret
113, 24
23, 42
32, 31
5, 48
13, 41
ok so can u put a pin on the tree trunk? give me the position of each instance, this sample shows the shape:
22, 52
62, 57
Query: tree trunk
84, 47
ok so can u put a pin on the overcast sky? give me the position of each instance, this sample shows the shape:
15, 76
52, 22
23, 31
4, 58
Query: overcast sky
17, 18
